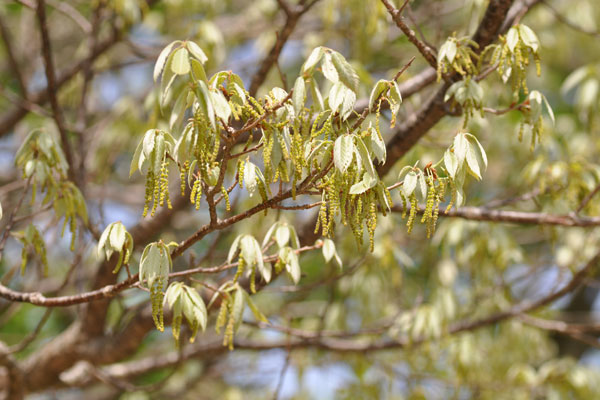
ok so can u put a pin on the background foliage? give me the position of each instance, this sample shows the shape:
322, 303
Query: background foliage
312, 199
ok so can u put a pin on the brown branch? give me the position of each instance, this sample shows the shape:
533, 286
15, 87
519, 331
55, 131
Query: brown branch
517, 217
419, 123
291, 20
587, 199
11, 117
53, 87
109, 291
335, 342
425, 51
64, 8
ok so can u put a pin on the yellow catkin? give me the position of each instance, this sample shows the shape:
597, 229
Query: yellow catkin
240, 269
72, 229
148, 194
229, 330
222, 316
413, 212
240, 168
226, 197
372, 224
156, 297
253, 280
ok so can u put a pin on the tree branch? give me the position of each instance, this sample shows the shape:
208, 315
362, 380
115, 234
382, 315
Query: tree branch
428, 115
425, 51
53, 88
518, 217
292, 18
335, 343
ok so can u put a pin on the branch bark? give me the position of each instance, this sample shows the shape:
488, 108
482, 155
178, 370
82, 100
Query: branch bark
517, 217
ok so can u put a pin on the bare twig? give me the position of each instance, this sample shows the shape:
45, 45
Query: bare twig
425, 51
53, 87
518, 217
587, 199
291, 20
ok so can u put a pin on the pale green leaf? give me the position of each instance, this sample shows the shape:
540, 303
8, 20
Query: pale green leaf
328, 249
329, 69
460, 147
162, 59
117, 236
451, 163
529, 37
346, 73
312, 60
336, 96
473, 140
512, 38
472, 163
299, 95
343, 151
409, 184
255, 311
196, 51
293, 266
380, 87
282, 235
233, 249
181, 61
220, 106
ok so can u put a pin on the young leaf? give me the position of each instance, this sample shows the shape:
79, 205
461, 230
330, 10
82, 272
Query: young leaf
255, 311
233, 249
472, 163
312, 60
282, 235
336, 96
292, 265
409, 184
380, 87
329, 69
299, 95
473, 140
221, 107
181, 61
162, 59
345, 71
529, 38
196, 51
378, 146
328, 249
343, 150
451, 163
460, 147
512, 38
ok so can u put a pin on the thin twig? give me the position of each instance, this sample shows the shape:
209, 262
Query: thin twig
425, 51
291, 20
53, 87
518, 217
587, 199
